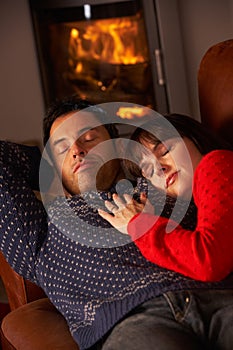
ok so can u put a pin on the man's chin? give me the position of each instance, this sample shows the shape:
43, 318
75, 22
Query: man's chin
83, 188
86, 185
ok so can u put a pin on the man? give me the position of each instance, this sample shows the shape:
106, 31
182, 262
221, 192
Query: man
110, 295
71, 137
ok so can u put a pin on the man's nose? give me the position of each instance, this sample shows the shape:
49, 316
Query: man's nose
78, 151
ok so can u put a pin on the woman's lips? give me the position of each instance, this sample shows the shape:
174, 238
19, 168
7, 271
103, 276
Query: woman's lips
171, 179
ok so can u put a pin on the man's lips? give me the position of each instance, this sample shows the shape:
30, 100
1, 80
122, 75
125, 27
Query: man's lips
171, 179
76, 167
82, 165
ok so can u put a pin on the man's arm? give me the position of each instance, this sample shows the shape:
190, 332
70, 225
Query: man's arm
23, 220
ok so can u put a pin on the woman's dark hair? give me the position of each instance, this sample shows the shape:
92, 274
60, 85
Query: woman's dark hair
69, 104
169, 126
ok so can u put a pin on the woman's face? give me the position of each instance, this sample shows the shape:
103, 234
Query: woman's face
172, 167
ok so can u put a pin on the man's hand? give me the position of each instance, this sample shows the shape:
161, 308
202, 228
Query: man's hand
123, 210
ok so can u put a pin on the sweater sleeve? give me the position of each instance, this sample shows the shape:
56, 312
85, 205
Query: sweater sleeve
23, 221
206, 252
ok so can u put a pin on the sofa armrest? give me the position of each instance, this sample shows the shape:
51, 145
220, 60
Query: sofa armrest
36, 325
19, 291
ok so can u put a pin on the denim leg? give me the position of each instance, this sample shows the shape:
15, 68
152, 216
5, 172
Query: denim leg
209, 313
221, 323
177, 320
153, 326
222, 329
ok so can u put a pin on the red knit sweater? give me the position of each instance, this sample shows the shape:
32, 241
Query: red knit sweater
207, 252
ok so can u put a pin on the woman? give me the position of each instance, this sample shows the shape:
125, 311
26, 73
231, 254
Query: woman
204, 253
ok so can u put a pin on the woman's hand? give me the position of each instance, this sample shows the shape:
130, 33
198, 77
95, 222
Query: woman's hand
123, 210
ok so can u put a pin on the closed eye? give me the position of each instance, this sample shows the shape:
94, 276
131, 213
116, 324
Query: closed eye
89, 136
162, 150
61, 148
90, 139
166, 152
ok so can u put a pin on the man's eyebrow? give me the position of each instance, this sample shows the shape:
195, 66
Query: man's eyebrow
86, 129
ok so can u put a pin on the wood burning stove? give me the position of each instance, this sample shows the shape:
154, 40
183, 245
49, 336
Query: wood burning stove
101, 50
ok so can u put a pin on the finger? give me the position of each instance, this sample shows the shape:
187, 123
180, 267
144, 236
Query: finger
110, 206
128, 198
105, 215
113, 221
143, 198
118, 201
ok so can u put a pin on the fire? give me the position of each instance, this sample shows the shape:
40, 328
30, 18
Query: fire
108, 59
114, 41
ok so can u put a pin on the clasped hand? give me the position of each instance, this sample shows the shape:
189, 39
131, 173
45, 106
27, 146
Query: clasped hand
124, 209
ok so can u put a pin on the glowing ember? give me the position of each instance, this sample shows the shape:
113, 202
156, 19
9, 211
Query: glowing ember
132, 112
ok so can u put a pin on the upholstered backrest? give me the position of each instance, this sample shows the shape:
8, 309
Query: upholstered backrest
215, 84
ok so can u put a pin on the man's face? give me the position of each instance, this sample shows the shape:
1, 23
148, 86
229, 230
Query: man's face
83, 153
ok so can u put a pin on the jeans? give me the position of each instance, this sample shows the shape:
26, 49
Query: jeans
190, 320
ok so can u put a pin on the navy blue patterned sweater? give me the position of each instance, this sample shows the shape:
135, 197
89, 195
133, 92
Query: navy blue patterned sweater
91, 273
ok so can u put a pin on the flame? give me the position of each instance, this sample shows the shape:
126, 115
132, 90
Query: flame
74, 33
114, 40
